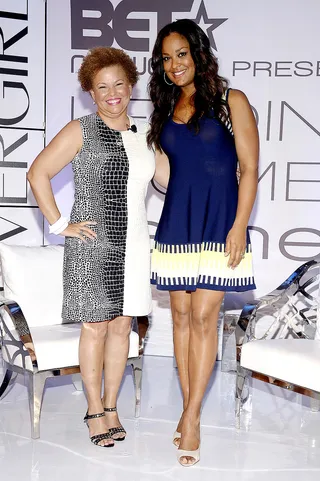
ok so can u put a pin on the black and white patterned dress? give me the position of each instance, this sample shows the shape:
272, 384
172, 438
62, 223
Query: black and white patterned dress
109, 276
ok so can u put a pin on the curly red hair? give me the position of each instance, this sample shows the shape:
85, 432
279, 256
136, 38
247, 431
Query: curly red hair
101, 57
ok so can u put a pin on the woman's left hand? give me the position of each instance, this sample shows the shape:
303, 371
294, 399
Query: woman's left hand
236, 245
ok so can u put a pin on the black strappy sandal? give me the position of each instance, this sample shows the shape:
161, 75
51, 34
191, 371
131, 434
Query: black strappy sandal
98, 437
116, 430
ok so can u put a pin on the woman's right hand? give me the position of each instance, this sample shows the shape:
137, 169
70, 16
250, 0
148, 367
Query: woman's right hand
80, 230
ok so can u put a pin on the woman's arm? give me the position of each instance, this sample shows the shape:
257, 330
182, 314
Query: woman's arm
247, 146
60, 152
162, 172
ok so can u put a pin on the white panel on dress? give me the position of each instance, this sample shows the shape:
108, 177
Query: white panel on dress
137, 289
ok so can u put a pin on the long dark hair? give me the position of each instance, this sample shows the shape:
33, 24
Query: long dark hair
209, 85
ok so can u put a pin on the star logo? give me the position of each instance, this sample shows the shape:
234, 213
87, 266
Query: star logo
203, 21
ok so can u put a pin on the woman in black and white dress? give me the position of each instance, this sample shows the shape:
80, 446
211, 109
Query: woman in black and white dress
107, 249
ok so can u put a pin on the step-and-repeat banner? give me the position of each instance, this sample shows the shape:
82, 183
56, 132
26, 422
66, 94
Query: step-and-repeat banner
267, 49
22, 116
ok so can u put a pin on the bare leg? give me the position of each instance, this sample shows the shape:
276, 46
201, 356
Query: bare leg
115, 360
203, 346
91, 349
181, 308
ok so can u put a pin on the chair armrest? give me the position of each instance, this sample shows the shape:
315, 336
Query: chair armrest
13, 310
246, 325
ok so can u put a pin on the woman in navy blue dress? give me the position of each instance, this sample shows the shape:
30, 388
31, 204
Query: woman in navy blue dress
202, 131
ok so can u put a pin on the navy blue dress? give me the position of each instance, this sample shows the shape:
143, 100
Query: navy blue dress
199, 210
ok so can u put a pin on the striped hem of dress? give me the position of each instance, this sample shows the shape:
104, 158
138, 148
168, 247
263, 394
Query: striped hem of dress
203, 265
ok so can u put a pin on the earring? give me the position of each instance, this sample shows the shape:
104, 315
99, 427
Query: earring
165, 79
94, 103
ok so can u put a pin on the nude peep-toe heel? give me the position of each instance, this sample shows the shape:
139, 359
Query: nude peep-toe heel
191, 454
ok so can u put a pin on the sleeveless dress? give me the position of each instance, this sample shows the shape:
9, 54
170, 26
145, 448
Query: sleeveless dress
109, 276
199, 210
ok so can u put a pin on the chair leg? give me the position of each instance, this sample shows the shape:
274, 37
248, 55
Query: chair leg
243, 378
77, 382
36, 383
136, 365
228, 359
315, 402
5, 382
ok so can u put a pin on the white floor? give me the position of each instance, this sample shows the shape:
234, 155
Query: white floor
282, 442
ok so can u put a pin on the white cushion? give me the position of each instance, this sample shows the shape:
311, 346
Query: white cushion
58, 346
32, 276
296, 361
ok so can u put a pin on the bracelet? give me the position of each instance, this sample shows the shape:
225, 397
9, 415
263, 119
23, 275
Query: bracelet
59, 226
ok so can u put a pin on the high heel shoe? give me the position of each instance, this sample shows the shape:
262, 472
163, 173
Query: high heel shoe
95, 439
182, 453
176, 436
117, 429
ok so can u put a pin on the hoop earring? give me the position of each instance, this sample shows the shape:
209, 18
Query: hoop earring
165, 79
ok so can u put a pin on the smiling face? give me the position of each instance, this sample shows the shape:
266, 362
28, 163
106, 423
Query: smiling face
111, 91
178, 63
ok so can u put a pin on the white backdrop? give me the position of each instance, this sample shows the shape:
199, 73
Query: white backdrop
268, 49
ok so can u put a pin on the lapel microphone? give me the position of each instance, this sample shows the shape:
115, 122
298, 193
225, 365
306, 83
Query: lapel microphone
133, 128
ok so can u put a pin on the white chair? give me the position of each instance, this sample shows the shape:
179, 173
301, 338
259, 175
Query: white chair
286, 348
30, 320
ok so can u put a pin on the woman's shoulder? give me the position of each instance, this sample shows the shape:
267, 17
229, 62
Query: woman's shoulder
72, 128
235, 96
86, 119
88, 124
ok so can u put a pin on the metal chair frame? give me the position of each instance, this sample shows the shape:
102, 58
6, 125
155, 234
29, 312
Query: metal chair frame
36, 379
300, 323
